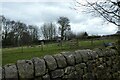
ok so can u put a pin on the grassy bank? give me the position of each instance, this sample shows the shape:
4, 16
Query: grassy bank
11, 55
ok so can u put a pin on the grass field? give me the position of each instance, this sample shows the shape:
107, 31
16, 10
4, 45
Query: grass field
11, 55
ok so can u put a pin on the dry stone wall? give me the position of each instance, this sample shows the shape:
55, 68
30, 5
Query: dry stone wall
78, 65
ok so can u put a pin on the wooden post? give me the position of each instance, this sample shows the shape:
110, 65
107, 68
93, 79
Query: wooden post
42, 44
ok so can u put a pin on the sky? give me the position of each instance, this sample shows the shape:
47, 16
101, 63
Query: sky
37, 13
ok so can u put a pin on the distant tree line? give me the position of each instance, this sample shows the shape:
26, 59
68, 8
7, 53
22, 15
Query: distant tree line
16, 33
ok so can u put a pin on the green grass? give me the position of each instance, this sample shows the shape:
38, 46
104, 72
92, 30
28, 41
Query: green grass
11, 55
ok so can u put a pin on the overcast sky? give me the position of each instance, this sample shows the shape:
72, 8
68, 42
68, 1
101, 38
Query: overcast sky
36, 13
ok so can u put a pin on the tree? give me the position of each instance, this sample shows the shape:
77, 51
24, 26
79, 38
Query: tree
33, 32
6, 28
85, 34
48, 31
70, 35
16, 33
44, 31
52, 31
108, 9
19, 29
0, 32
64, 26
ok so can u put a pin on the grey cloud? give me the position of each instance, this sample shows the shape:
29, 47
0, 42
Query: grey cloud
38, 13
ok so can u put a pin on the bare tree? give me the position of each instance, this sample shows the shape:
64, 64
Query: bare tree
52, 31
6, 27
48, 31
44, 31
108, 9
33, 31
64, 26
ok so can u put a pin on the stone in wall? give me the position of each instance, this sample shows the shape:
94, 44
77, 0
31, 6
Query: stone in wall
37, 78
85, 69
61, 61
99, 52
46, 77
1, 73
94, 55
82, 65
69, 69
89, 76
69, 57
78, 57
11, 72
25, 69
71, 76
91, 66
79, 70
84, 54
39, 66
57, 73
51, 63
90, 55
109, 52
109, 62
